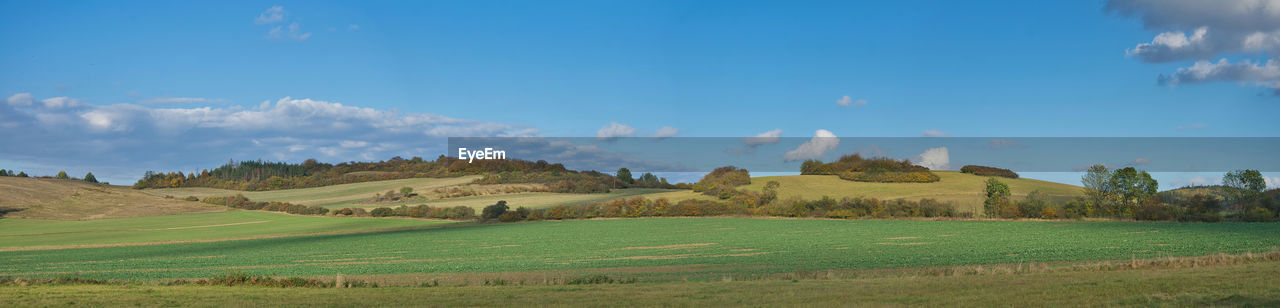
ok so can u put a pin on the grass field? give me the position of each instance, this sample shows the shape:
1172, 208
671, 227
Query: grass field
32, 233
966, 190
657, 248
1233, 285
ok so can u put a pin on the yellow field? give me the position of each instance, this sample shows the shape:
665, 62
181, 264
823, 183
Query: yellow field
966, 190
336, 196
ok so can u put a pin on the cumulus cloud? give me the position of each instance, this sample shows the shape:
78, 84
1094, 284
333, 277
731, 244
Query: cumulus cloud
125, 138
1202, 30
271, 15
847, 101
934, 159
666, 132
615, 131
769, 137
20, 100
823, 141
1267, 74
935, 133
1272, 181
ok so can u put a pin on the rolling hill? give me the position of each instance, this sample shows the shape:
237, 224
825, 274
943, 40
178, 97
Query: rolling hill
77, 200
966, 190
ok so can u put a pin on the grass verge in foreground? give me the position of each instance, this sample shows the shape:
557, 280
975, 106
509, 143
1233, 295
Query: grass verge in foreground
1248, 284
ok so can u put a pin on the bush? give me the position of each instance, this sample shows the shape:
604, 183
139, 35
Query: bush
890, 176
381, 212
988, 171
191, 198
494, 211
720, 179
510, 216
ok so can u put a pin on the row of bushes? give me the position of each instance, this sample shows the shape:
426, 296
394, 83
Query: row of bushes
855, 168
241, 202
641, 207
988, 171
417, 211
890, 176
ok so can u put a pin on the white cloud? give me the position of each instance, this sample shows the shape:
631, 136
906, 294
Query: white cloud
293, 32
1202, 30
769, 137
935, 133
1272, 181
848, 101
666, 132
60, 102
614, 131
271, 15
934, 159
1267, 74
353, 27
133, 137
823, 141
21, 100
1141, 161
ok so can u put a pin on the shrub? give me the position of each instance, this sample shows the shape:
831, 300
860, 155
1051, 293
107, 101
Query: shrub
591, 279
721, 179
62, 175
510, 216
191, 198
988, 171
494, 211
890, 176
381, 212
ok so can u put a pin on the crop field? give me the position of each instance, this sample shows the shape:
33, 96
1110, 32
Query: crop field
965, 190
652, 249
334, 196
32, 233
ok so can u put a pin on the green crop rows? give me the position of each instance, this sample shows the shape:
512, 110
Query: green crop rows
743, 245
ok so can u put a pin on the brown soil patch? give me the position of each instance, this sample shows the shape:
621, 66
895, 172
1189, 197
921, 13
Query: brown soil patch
676, 246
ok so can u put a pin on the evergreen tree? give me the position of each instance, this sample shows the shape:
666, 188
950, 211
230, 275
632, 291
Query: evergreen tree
88, 177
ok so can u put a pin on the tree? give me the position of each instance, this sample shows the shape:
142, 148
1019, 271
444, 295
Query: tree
494, 211
1248, 185
1131, 187
997, 197
649, 179
624, 175
88, 177
23, 174
4, 173
62, 175
1097, 185
406, 191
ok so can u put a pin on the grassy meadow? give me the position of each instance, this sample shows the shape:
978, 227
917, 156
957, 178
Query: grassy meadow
652, 249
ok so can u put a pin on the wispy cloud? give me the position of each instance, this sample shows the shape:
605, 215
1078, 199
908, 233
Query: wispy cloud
271, 15
847, 101
666, 132
935, 133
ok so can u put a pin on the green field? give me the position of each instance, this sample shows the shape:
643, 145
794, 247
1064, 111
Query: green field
19, 233
656, 248
966, 190
1233, 285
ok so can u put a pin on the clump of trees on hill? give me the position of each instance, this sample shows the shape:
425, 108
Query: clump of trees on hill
241, 202
988, 171
881, 169
20, 174
260, 175
721, 181
1128, 193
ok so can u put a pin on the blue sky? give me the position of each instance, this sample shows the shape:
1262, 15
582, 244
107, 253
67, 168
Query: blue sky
129, 79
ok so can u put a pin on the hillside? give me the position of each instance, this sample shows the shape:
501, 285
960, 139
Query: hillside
78, 200
333, 196
965, 190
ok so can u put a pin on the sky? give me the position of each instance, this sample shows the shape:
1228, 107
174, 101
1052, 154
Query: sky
121, 87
